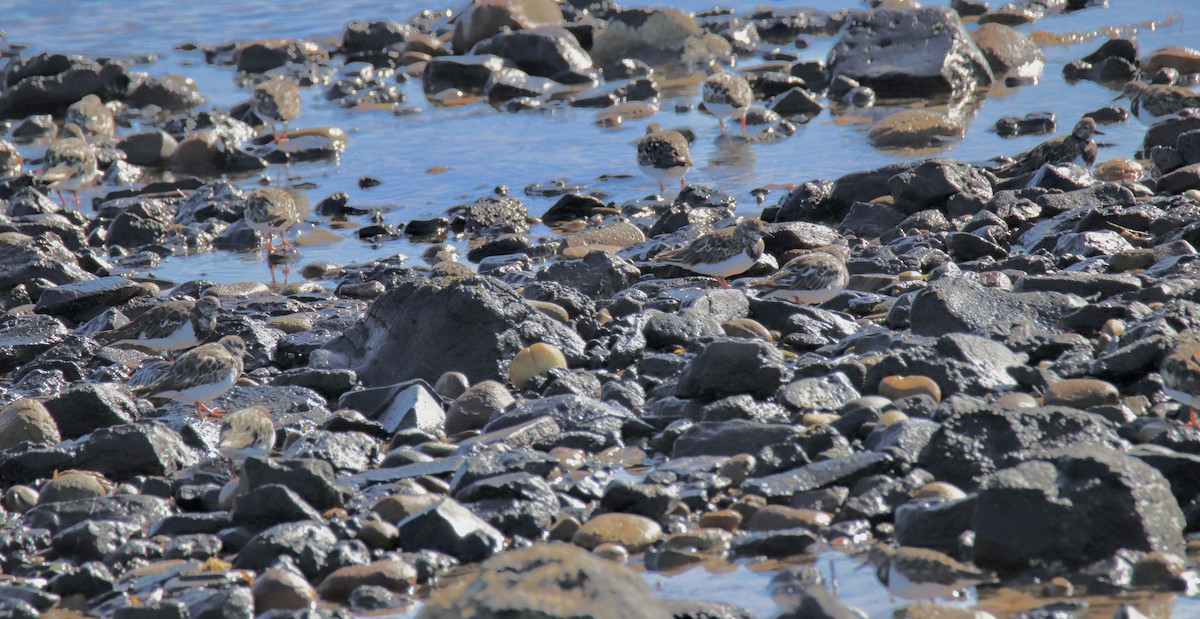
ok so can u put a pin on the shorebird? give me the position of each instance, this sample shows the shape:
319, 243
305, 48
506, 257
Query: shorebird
174, 325
271, 210
246, 433
720, 254
1151, 103
92, 116
201, 375
276, 100
920, 573
810, 278
727, 95
1076, 147
663, 154
69, 163
1180, 372
10, 159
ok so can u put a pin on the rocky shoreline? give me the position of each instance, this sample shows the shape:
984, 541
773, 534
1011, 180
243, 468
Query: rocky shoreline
508, 437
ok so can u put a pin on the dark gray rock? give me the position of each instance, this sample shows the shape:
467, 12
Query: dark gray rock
841, 471
467, 73
1072, 507
351, 452
871, 219
150, 148
407, 405
958, 363
24, 337
89, 407
958, 304
597, 275
940, 183
934, 524
472, 325
775, 544
665, 331
124, 451
511, 83
93, 539
90, 580
730, 367
450, 528
47, 83
80, 301
585, 422
138, 510
654, 501
730, 438
515, 503
269, 505
309, 545
817, 602
825, 393
909, 53
545, 52
313, 480
975, 440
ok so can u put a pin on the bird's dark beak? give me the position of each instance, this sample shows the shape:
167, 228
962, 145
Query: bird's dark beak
1119, 97
1099, 132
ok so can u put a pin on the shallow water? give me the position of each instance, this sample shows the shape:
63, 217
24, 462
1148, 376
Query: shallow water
483, 148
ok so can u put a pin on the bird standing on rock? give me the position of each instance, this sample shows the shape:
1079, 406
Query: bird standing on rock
174, 325
920, 573
811, 278
271, 210
1076, 147
663, 154
276, 100
1180, 373
92, 116
69, 163
727, 95
720, 254
1150, 103
246, 433
201, 375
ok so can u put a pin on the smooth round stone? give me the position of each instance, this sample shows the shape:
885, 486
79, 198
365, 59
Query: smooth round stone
636, 533
73, 486
1017, 400
726, 519
1183, 59
939, 490
569, 458
552, 310
282, 589
126, 490
1119, 170
299, 288
379, 534
705, 540
1114, 327
1059, 587
818, 419
1151, 430
476, 405
738, 468
892, 416
612, 552
779, 517
896, 387
1081, 393
914, 129
228, 493
293, 323
534, 361
243, 290
874, 402
909, 276
1157, 570
450, 385
748, 504
747, 328
397, 507
20, 499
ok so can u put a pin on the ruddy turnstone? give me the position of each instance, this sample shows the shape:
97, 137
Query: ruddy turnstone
920, 573
663, 154
246, 433
727, 95
271, 210
10, 159
1180, 372
720, 254
1077, 147
1150, 103
810, 278
69, 163
173, 325
276, 100
200, 375
92, 116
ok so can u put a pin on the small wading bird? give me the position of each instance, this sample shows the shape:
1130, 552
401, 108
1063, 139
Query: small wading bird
920, 573
727, 95
200, 375
69, 164
1180, 373
271, 211
1076, 147
276, 100
1151, 103
720, 254
170, 326
663, 154
810, 278
247, 433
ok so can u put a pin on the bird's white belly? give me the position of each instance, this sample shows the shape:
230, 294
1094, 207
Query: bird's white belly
663, 174
728, 267
203, 393
1187, 399
804, 296
901, 587
184, 337
726, 110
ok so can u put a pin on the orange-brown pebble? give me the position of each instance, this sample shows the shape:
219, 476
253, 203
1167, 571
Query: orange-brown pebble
747, 328
896, 387
636, 533
747, 504
777, 517
727, 519
533, 361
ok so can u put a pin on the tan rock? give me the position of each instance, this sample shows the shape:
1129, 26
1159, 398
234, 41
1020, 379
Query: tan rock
484, 18
27, 420
534, 361
393, 575
73, 486
1183, 59
397, 507
779, 517
746, 327
635, 533
476, 405
896, 387
282, 589
915, 129
726, 519
1081, 393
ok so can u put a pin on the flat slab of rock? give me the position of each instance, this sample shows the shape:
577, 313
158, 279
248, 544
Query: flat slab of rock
960, 305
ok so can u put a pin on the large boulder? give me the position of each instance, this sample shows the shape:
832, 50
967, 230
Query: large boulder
545, 52
909, 53
667, 38
549, 582
424, 328
484, 18
1075, 506
959, 304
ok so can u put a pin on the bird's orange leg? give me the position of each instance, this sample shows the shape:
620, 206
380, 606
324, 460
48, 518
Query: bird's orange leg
283, 242
722, 121
743, 125
721, 280
682, 184
1192, 422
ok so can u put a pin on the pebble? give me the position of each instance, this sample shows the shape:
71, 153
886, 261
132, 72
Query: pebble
896, 387
534, 361
634, 533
